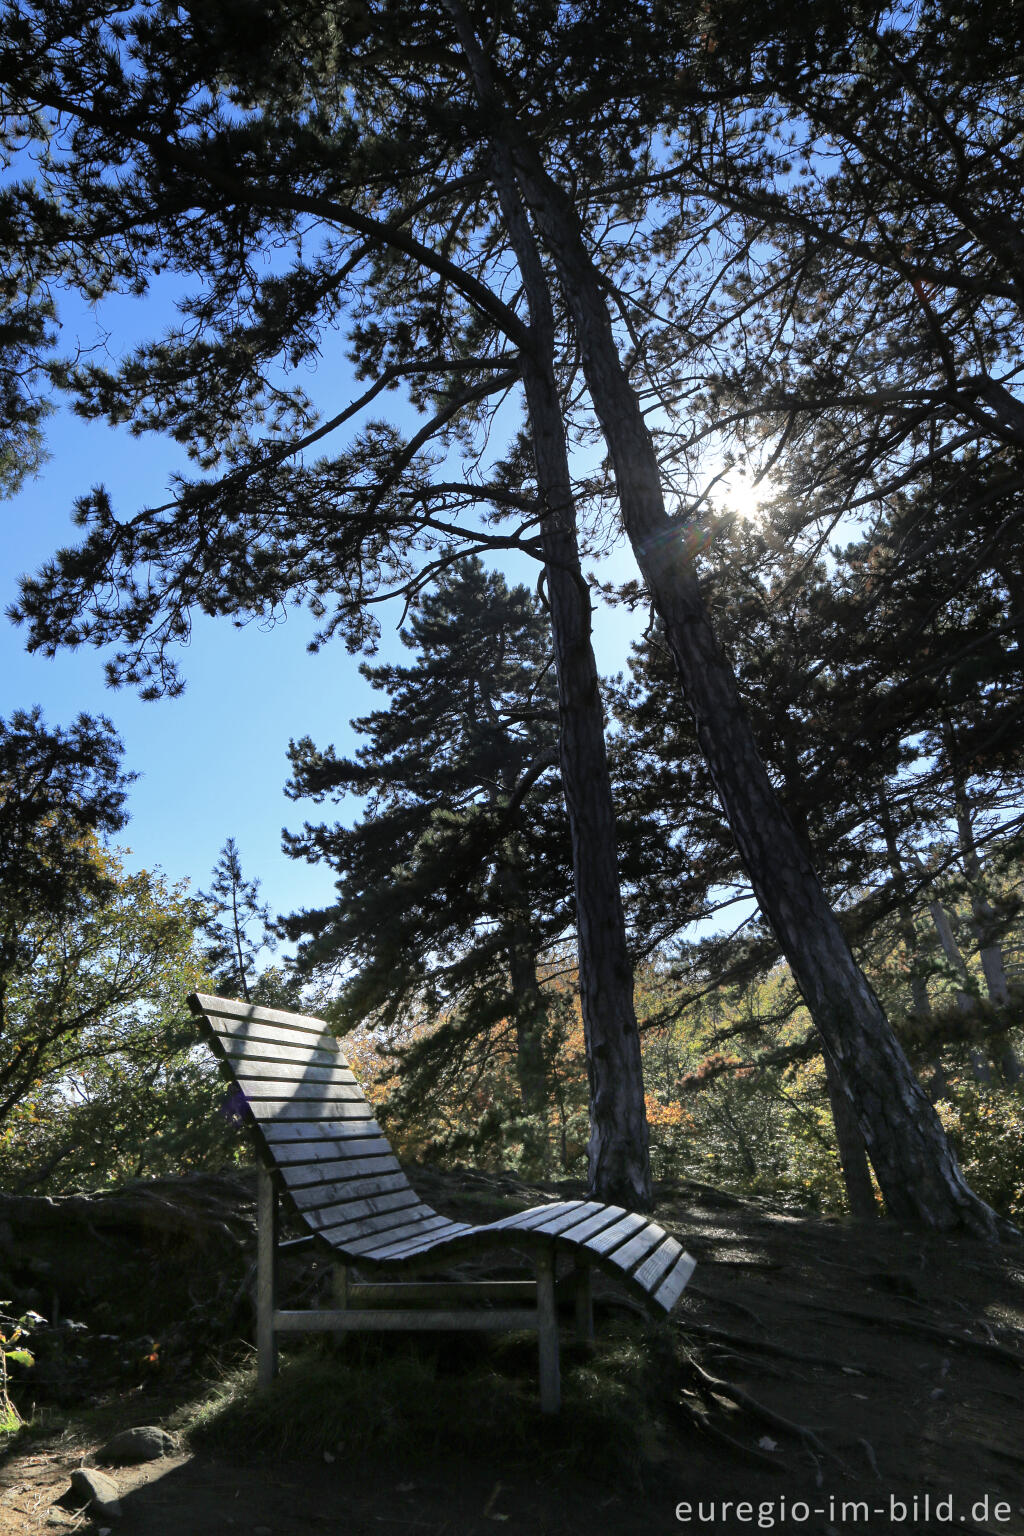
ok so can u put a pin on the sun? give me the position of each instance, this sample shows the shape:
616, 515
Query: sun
743, 495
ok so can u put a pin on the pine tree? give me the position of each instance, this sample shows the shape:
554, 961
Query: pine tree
234, 906
455, 883
462, 142
340, 531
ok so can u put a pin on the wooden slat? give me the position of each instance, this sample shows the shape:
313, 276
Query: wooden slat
638, 1247
398, 1292
299, 1175
229, 1008
301, 1092
556, 1224
675, 1282
235, 1038
315, 1135
596, 1223
603, 1242
270, 1051
409, 1247
522, 1221
420, 1319
245, 1031
311, 1196
652, 1271
284, 1109
293, 1072
577, 1232
351, 1213
368, 1247
343, 1235
352, 1224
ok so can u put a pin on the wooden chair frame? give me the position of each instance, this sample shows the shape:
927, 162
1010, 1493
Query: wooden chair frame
320, 1148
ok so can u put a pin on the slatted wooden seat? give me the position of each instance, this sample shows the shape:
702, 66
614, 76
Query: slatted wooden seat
320, 1147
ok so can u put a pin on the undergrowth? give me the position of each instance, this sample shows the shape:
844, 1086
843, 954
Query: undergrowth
367, 1398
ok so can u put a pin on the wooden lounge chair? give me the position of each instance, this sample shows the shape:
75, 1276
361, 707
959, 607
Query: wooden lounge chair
320, 1146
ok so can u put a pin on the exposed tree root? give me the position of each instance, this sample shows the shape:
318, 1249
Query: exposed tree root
765, 1346
714, 1386
930, 1331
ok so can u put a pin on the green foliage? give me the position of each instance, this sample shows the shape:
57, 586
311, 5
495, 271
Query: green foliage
985, 1122
59, 788
854, 326
455, 882
14, 1335
103, 1077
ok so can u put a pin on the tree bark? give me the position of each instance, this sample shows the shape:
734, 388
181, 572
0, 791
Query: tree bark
853, 1156
529, 1015
618, 1155
916, 1168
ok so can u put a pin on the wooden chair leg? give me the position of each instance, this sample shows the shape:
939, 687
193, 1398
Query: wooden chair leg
339, 1286
584, 1294
547, 1332
266, 1278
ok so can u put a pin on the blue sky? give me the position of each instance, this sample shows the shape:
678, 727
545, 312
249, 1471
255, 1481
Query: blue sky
212, 763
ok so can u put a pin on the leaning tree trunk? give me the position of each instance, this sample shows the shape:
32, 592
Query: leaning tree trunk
916, 1168
619, 1161
915, 1165
853, 1154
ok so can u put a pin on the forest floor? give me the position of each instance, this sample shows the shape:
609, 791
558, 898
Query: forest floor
818, 1376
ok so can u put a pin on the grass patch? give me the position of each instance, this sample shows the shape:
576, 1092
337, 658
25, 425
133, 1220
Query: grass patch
372, 1397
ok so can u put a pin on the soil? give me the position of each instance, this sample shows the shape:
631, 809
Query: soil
836, 1376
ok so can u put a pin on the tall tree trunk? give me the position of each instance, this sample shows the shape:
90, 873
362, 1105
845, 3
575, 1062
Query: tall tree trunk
915, 1165
619, 1160
966, 1002
853, 1154
938, 1082
529, 1017
618, 1155
916, 1168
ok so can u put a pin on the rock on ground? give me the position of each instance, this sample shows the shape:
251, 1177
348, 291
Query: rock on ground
97, 1492
145, 1443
